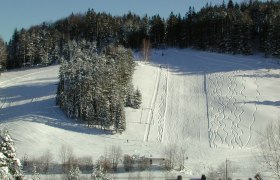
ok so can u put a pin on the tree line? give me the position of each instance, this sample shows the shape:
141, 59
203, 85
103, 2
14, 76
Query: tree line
94, 87
226, 28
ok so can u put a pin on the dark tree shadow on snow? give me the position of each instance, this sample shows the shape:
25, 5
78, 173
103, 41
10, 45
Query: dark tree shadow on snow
193, 62
267, 103
36, 103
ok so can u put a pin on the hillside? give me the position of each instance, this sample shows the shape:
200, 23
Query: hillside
214, 105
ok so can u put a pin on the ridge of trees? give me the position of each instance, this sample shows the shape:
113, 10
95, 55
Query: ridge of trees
233, 28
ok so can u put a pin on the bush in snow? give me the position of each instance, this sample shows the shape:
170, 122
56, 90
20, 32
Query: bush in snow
35, 174
258, 176
74, 173
85, 163
143, 163
99, 174
127, 162
43, 163
104, 164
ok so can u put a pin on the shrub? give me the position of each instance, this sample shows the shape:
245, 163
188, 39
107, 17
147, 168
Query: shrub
128, 162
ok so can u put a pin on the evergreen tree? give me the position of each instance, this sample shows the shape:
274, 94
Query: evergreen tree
120, 121
3, 55
137, 99
172, 29
230, 4
13, 49
74, 173
8, 150
23, 47
4, 169
157, 30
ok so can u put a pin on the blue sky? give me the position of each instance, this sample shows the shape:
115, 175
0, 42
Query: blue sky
25, 13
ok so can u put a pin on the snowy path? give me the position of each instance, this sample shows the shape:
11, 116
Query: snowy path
186, 115
161, 104
158, 107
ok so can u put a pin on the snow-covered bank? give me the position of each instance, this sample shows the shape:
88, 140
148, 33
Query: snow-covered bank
214, 105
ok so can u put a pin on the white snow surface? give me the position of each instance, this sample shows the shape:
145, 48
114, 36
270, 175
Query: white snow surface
215, 105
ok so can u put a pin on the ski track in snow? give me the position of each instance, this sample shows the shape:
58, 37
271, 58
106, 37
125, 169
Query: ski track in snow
225, 114
255, 111
152, 107
225, 118
162, 105
158, 106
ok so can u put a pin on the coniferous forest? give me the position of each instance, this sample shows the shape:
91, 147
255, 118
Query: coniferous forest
95, 87
244, 28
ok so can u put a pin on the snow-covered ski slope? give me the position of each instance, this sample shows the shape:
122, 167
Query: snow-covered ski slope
215, 105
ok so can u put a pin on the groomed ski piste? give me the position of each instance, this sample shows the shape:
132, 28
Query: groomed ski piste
216, 106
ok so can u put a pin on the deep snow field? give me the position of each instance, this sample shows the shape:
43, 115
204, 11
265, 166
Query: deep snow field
216, 106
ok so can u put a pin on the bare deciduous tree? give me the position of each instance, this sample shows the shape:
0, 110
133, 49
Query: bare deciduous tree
175, 156
146, 49
104, 164
67, 157
46, 159
170, 153
270, 149
115, 154
223, 171
181, 157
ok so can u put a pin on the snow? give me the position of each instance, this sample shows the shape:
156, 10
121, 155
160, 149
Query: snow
215, 105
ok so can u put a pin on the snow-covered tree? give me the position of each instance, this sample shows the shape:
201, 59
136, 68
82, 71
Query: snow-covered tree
137, 99
115, 153
74, 173
270, 149
120, 121
35, 174
93, 87
44, 57
3, 54
4, 169
99, 174
8, 150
